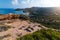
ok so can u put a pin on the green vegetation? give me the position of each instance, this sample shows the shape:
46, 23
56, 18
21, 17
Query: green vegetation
23, 17
4, 28
45, 16
42, 35
49, 20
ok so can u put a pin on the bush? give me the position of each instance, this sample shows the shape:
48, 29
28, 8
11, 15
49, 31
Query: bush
42, 35
23, 17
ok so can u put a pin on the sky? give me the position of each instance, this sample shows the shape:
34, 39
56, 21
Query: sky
28, 3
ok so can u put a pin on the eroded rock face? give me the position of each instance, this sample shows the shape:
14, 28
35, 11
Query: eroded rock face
9, 16
13, 16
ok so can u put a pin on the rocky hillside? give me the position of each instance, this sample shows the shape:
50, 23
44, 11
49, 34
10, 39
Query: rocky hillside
14, 28
13, 16
38, 25
49, 17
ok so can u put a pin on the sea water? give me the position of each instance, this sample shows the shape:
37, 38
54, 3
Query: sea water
13, 11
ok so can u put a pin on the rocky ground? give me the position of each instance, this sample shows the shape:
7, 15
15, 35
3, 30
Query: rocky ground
17, 28
11, 27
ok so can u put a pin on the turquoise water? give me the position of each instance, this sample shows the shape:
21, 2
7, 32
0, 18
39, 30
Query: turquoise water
13, 11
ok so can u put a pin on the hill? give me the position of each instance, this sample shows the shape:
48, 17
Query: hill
42, 35
13, 16
15, 25
49, 17
38, 25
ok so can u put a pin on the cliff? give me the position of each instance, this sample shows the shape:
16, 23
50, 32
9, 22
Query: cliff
9, 16
14, 16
